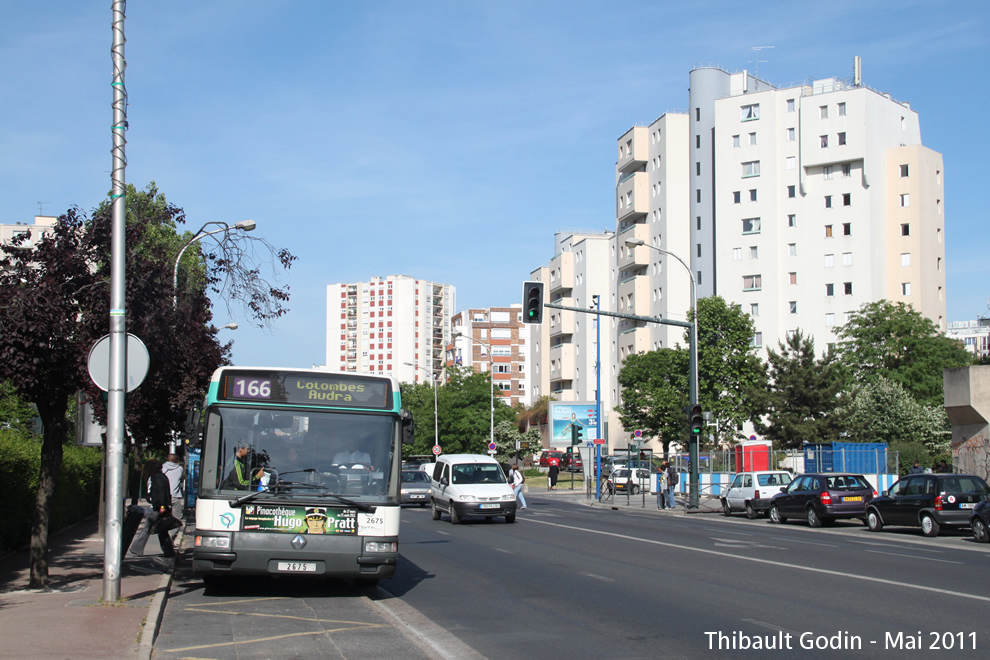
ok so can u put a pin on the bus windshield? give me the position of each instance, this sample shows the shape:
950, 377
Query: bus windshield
299, 454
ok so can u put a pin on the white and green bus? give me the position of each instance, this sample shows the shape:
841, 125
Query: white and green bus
300, 474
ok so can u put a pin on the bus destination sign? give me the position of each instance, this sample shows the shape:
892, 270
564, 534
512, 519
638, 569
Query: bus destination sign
307, 389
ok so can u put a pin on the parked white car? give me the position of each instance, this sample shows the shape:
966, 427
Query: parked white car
751, 492
632, 481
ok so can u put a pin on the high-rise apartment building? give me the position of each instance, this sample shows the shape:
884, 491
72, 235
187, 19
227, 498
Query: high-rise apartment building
394, 326
493, 339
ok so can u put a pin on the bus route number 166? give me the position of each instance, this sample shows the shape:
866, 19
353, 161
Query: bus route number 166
252, 388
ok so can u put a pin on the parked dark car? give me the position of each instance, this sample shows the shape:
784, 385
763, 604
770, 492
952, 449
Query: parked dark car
928, 501
822, 498
573, 462
980, 522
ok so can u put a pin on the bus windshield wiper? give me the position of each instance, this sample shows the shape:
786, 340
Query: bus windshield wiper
360, 506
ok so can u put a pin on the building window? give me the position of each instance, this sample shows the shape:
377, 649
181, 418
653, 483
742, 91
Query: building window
828, 231
905, 288
905, 258
842, 109
791, 135
757, 340
830, 320
752, 139
790, 105
752, 282
904, 171
829, 260
793, 306
824, 141
699, 223
735, 141
828, 201
847, 229
823, 112
754, 309
830, 289
697, 168
697, 114
846, 169
792, 220
842, 139
792, 249
847, 288
752, 195
697, 141
792, 278
754, 252
847, 199
906, 200
749, 112
791, 192
791, 162
827, 171
751, 168
751, 225
737, 254
699, 250
847, 258
905, 229
736, 197
698, 278
697, 194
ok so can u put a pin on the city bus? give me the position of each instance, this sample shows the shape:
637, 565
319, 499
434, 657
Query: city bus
299, 473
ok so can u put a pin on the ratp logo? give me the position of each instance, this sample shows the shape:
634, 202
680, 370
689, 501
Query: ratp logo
226, 519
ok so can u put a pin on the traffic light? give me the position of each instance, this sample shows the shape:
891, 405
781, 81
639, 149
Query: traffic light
577, 435
696, 421
532, 302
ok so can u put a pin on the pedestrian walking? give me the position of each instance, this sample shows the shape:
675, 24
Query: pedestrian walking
661, 489
552, 473
517, 479
174, 471
161, 502
673, 479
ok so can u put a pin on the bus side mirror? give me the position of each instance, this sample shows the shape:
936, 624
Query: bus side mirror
408, 434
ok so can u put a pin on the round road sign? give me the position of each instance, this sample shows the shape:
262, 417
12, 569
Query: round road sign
135, 369
638, 433
436, 450
491, 446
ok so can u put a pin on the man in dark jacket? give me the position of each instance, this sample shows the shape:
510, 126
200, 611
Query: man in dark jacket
161, 501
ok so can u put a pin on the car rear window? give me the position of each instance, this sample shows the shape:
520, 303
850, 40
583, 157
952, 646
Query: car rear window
415, 475
964, 485
848, 482
773, 479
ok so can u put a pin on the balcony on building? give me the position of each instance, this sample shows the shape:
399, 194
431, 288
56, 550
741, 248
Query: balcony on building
632, 197
634, 294
634, 340
562, 272
634, 150
562, 362
561, 322
630, 257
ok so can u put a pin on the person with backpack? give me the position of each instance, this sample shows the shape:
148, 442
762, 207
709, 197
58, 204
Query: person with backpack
673, 479
516, 480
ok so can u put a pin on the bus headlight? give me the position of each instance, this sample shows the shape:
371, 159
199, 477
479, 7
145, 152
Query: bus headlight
213, 542
381, 546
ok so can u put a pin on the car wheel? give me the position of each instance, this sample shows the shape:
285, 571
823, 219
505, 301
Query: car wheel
873, 521
751, 513
813, 519
980, 531
775, 516
436, 511
510, 518
929, 527
454, 519
726, 511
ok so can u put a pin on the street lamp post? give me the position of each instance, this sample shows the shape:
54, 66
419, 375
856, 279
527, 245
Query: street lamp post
433, 380
245, 225
491, 378
693, 364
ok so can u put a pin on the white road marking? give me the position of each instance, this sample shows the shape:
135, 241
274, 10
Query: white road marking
770, 562
899, 554
598, 577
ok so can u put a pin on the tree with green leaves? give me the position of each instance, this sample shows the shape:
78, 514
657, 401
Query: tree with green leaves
655, 394
729, 370
883, 410
895, 342
803, 395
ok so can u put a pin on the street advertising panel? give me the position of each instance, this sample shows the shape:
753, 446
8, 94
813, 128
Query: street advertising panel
570, 420
299, 519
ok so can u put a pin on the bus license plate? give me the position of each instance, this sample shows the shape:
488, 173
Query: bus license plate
489, 506
297, 566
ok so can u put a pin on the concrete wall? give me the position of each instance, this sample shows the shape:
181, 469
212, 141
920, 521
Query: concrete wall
967, 403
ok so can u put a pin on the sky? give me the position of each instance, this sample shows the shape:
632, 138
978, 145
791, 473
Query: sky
444, 140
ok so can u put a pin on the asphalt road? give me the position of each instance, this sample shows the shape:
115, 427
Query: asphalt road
569, 581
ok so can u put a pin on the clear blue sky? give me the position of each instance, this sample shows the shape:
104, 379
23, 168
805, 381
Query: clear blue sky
443, 140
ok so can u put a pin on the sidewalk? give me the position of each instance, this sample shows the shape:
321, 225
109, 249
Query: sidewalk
706, 504
69, 620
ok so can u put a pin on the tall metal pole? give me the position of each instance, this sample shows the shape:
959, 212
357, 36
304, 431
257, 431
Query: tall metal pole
118, 322
598, 394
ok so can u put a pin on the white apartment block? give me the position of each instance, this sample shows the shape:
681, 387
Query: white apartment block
810, 200
393, 326
34, 233
564, 348
975, 335
495, 340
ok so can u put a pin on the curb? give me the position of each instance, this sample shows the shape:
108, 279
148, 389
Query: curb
156, 611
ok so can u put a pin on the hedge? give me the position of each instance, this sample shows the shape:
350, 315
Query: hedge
77, 495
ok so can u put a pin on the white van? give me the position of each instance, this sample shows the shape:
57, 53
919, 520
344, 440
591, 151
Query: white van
464, 485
